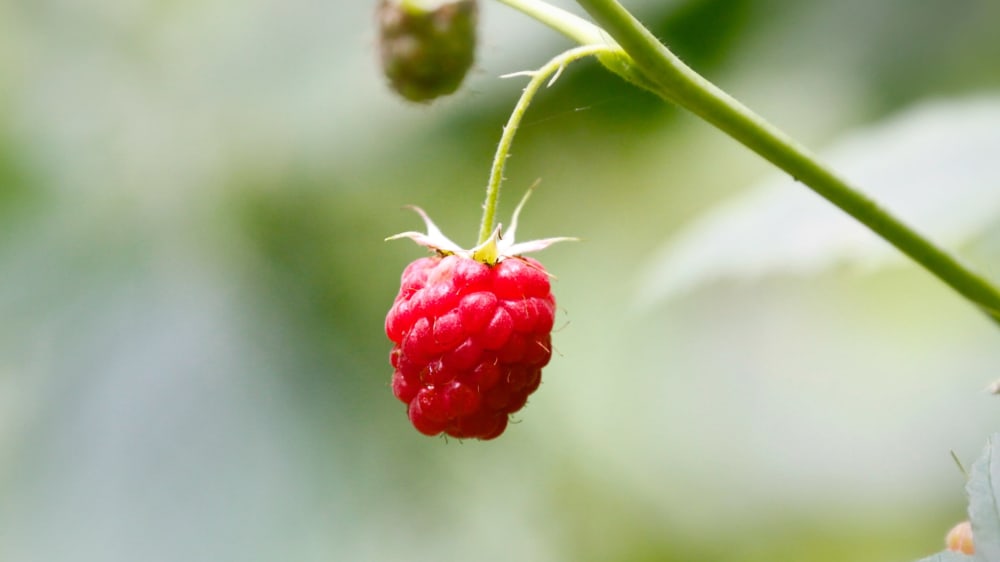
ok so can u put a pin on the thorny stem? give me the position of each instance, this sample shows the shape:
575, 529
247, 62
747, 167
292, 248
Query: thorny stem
538, 77
662, 72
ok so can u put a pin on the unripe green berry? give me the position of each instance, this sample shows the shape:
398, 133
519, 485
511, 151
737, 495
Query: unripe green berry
426, 46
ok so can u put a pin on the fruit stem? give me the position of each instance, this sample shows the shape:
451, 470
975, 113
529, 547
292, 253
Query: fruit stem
584, 33
650, 64
570, 25
552, 69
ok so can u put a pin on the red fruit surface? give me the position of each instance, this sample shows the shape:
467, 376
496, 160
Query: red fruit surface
470, 342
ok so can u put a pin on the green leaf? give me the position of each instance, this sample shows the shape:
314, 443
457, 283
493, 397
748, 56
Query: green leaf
984, 502
933, 166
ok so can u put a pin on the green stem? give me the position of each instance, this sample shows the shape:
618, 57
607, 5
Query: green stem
584, 33
570, 25
538, 77
675, 81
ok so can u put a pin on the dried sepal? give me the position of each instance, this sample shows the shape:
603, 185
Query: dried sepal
499, 246
434, 239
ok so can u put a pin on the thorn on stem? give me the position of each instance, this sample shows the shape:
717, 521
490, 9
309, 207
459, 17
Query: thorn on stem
556, 75
528, 73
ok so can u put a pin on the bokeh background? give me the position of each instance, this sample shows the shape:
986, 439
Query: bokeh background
193, 280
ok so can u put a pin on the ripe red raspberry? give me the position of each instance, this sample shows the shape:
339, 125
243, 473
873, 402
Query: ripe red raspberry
472, 331
471, 340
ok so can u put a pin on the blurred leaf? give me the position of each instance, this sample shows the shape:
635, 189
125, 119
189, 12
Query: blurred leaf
702, 32
984, 502
934, 166
17, 189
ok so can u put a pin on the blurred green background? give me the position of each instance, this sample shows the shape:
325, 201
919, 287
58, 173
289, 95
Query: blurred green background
193, 202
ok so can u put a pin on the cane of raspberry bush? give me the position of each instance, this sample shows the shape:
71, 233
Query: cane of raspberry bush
472, 332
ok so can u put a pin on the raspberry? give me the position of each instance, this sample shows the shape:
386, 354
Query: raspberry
959, 538
470, 342
471, 331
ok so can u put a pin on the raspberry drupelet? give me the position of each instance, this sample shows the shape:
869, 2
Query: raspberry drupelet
472, 331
